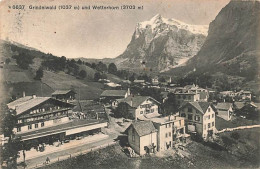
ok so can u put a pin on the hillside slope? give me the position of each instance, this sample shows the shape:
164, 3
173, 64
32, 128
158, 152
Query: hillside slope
231, 44
16, 80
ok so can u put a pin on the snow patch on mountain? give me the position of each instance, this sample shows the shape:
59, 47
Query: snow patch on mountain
157, 20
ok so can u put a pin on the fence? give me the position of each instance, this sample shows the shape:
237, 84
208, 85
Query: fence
65, 157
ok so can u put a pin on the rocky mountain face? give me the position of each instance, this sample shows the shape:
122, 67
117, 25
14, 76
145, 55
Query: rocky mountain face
232, 44
161, 44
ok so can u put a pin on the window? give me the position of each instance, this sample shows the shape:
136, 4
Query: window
209, 117
184, 97
189, 97
197, 118
213, 124
152, 110
29, 127
141, 112
18, 129
189, 109
208, 109
169, 124
208, 125
212, 115
166, 126
166, 135
36, 126
183, 115
190, 116
42, 124
170, 134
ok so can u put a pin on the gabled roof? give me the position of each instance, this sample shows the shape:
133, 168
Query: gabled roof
239, 105
139, 81
224, 105
136, 100
200, 106
143, 128
60, 92
25, 103
114, 93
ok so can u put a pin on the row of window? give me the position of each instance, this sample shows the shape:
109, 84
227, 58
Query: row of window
209, 125
184, 97
30, 126
41, 117
190, 117
43, 110
168, 135
147, 111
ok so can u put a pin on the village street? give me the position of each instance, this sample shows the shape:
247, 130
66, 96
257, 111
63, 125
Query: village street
31, 163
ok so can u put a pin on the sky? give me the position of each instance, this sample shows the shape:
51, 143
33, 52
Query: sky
93, 33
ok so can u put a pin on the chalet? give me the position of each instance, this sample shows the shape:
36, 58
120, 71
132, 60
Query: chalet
64, 95
224, 110
246, 95
161, 133
111, 95
170, 129
142, 137
250, 110
34, 112
142, 106
48, 119
199, 118
181, 97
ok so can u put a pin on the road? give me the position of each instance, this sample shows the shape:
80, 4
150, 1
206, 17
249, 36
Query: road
31, 163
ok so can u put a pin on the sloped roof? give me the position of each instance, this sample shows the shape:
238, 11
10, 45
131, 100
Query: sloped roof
200, 106
113, 93
136, 100
58, 92
25, 103
143, 127
19, 101
224, 105
139, 81
239, 105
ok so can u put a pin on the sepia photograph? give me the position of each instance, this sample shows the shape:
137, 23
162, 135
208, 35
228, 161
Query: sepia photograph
129, 84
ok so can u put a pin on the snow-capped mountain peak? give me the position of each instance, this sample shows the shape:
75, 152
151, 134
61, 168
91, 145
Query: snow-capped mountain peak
158, 20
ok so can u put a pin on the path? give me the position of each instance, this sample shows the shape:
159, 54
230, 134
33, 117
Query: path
238, 128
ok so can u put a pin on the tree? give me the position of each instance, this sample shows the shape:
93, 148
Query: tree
122, 110
7, 61
23, 60
132, 78
169, 106
161, 79
10, 149
112, 68
82, 74
79, 62
97, 76
101, 67
39, 74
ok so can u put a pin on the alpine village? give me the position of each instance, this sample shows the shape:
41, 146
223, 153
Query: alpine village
180, 96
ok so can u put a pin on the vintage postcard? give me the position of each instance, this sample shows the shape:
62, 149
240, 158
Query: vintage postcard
132, 84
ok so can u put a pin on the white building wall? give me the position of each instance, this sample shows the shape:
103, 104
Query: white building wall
147, 140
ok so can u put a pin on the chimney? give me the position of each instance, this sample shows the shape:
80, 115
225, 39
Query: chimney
131, 103
23, 93
128, 92
33, 96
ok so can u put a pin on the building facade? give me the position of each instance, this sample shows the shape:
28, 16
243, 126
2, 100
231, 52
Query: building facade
199, 118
